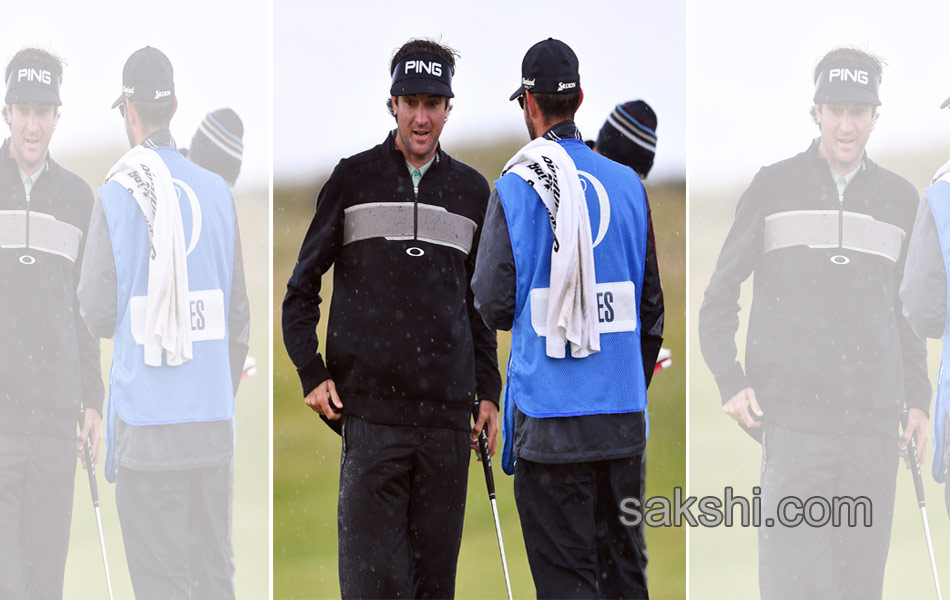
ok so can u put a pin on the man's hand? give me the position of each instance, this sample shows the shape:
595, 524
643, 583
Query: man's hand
916, 426
317, 400
92, 429
487, 413
738, 407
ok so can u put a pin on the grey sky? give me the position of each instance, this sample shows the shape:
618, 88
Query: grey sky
332, 70
221, 56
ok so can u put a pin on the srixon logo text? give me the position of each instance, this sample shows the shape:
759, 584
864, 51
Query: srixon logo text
34, 75
848, 75
432, 68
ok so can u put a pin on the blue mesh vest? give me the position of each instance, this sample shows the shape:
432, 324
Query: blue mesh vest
612, 380
200, 389
938, 196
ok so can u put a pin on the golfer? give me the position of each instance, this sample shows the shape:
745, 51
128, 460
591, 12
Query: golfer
163, 276
830, 360
567, 262
406, 351
49, 362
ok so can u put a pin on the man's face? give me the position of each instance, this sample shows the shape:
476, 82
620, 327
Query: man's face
31, 124
845, 129
419, 122
523, 101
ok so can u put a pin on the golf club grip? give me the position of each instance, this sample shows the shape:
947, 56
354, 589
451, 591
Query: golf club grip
915, 470
483, 451
86, 457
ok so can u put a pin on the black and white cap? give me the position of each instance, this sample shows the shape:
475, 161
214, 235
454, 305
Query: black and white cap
422, 73
33, 82
549, 67
847, 82
147, 77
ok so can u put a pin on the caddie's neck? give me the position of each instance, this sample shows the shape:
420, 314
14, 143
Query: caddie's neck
138, 131
536, 121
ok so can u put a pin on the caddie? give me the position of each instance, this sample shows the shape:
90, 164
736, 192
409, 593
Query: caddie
924, 294
407, 354
567, 262
49, 362
163, 277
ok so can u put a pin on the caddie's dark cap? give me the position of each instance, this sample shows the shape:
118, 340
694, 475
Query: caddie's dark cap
847, 81
33, 81
549, 67
422, 73
147, 77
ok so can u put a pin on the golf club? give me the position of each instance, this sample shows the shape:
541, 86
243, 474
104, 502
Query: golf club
94, 489
490, 483
914, 465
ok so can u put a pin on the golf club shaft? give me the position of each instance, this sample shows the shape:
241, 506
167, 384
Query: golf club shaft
86, 457
102, 545
501, 546
919, 488
490, 484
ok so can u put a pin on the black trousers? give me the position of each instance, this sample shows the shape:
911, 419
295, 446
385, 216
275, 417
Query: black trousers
176, 527
826, 561
36, 500
401, 509
570, 518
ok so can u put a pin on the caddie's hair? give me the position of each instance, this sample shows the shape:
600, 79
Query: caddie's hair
447, 54
33, 54
558, 107
875, 64
155, 114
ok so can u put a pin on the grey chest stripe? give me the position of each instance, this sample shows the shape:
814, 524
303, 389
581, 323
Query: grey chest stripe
394, 221
820, 229
47, 234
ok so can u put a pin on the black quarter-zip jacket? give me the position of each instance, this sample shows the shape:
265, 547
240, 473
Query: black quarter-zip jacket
49, 362
828, 348
405, 344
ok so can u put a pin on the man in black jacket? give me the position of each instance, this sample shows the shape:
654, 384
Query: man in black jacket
830, 360
49, 362
407, 353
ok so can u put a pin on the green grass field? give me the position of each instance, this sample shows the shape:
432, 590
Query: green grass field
306, 452
85, 577
723, 561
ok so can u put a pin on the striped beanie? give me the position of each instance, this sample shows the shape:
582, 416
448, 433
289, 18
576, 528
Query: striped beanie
217, 144
629, 136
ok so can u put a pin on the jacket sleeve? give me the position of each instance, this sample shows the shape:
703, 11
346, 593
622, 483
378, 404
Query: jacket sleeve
97, 283
651, 305
917, 388
719, 313
239, 313
301, 308
93, 389
924, 287
494, 282
484, 338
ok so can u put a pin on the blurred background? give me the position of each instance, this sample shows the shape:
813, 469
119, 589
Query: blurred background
331, 76
750, 89
221, 58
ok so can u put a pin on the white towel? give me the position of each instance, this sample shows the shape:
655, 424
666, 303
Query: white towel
142, 172
572, 300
